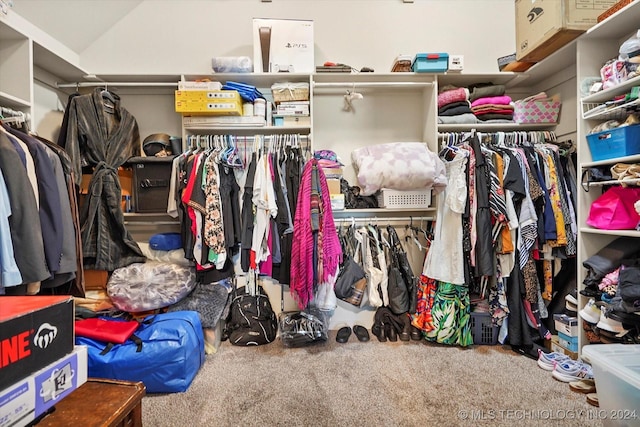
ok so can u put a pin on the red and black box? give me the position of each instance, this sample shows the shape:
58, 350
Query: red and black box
35, 331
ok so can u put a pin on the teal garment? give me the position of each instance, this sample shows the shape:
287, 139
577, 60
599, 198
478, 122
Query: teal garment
451, 316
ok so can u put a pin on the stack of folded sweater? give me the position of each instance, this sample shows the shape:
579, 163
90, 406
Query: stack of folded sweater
454, 106
490, 104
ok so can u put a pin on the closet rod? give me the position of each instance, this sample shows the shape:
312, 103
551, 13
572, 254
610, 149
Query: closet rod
116, 84
371, 84
381, 220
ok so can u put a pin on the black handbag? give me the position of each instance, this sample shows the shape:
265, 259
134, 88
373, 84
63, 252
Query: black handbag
401, 275
351, 274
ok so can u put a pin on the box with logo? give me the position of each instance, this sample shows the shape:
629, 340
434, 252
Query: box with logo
430, 63
213, 106
544, 26
283, 45
34, 332
26, 400
151, 176
566, 324
207, 95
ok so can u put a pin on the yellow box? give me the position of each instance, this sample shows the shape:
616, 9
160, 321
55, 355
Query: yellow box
544, 26
206, 95
211, 106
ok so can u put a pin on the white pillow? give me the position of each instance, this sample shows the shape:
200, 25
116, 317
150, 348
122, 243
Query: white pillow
398, 166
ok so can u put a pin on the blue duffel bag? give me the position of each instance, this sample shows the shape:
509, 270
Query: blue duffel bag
171, 354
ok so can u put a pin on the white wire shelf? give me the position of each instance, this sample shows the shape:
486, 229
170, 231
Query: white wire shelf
609, 110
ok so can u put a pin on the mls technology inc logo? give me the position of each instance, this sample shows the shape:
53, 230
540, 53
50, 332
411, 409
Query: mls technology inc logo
534, 14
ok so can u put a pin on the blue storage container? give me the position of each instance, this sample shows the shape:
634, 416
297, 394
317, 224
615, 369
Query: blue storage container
430, 63
612, 143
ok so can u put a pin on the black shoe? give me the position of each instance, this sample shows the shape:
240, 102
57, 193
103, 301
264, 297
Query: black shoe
343, 334
416, 334
378, 330
391, 333
405, 333
361, 332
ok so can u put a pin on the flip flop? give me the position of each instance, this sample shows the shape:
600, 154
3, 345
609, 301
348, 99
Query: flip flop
343, 334
583, 386
361, 332
592, 399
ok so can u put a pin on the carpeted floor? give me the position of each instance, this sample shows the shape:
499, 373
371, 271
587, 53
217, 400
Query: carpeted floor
373, 384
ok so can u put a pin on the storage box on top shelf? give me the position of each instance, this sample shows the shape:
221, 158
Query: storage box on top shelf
24, 401
544, 26
283, 45
616, 369
430, 63
34, 332
612, 143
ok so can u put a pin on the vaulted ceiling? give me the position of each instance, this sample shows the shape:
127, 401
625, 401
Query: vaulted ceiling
75, 23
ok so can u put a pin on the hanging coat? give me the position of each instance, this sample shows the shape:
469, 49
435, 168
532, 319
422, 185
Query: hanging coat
103, 138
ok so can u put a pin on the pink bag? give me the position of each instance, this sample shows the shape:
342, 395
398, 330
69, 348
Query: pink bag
614, 209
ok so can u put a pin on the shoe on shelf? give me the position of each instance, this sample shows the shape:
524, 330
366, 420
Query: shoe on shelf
572, 297
572, 370
591, 312
570, 302
547, 361
343, 334
583, 386
609, 324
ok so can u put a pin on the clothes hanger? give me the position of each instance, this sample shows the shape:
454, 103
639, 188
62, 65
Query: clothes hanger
107, 95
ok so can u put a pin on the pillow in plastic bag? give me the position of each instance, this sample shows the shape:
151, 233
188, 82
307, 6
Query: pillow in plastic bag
149, 286
398, 166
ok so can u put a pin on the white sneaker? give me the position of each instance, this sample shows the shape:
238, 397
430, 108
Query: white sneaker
572, 370
591, 312
547, 361
608, 324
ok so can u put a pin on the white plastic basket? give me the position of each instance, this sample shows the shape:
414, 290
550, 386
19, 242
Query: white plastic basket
388, 198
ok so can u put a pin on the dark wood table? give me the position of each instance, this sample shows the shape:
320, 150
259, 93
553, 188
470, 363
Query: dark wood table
99, 403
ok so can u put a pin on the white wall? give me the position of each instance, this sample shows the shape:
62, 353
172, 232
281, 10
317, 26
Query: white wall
167, 37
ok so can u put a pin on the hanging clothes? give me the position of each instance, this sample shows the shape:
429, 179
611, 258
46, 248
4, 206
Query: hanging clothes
316, 251
103, 136
447, 241
26, 231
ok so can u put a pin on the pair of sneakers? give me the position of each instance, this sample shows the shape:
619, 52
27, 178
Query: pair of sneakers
563, 368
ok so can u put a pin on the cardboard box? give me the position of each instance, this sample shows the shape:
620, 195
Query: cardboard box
565, 324
570, 343
292, 121
95, 279
544, 26
34, 332
205, 95
337, 202
334, 185
555, 346
283, 45
26, 400
222, 107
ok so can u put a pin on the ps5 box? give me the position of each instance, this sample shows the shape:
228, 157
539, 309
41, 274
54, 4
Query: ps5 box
283, 46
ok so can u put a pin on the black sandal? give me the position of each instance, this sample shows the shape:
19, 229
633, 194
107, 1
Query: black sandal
361, 332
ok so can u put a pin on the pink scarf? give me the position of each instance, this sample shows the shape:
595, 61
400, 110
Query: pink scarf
302, 268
